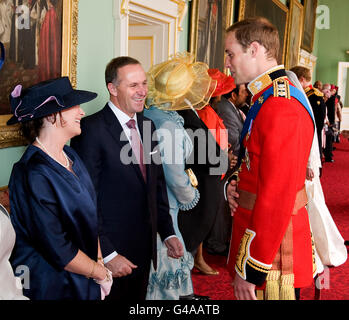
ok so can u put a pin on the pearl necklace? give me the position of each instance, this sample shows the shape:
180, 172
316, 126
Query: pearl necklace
65, 156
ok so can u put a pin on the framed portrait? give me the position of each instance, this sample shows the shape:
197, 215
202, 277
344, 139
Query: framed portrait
275, 11
208, 21
295, 30
309, 24
40, 39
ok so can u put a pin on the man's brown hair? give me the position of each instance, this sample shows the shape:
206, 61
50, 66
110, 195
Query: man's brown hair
257, 29
111, 71
302, 72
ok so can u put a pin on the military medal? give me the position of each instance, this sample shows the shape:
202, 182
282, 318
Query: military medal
247, 160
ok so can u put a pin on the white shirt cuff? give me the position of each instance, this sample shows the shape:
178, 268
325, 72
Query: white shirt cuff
169, 237
225, 190
110, 257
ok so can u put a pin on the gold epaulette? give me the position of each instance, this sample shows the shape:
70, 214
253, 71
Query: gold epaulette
281, 88
310, 91
318, 92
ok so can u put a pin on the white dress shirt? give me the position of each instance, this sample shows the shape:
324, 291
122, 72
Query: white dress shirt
123, 118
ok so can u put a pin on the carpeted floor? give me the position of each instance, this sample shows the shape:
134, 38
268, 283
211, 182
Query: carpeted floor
336, 284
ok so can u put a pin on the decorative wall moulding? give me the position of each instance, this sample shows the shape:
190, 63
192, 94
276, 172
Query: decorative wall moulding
168, 14
307, 60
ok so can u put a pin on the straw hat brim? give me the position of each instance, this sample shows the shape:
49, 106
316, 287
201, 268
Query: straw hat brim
196, 94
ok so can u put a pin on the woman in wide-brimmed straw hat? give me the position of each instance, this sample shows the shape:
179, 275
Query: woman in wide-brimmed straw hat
176, 84
53, 203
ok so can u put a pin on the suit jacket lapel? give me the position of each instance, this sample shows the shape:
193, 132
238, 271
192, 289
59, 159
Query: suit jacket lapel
117, 132
114, 126
237, 112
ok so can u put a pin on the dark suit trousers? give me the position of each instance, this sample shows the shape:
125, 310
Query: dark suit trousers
219, 237
329, 144
319, 137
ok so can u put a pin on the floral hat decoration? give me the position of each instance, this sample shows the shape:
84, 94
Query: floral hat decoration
179, 83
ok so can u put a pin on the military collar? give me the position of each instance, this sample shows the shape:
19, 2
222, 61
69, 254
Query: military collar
308, 88
266, 79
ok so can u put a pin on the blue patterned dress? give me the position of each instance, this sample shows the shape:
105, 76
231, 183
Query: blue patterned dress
173, 276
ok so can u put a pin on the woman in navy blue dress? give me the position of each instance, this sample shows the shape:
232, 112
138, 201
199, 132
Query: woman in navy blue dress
53, 202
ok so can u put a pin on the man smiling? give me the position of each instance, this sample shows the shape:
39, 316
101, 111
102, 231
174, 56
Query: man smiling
131, 198
271, 246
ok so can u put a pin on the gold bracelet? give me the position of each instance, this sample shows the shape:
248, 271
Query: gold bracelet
93, 269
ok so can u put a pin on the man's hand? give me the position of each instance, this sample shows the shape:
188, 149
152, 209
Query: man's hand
232, 195
309, 174
120, 266
233, 159
174, 248
243, 290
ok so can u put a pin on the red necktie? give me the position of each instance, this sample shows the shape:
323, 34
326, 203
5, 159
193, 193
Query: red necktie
137, 146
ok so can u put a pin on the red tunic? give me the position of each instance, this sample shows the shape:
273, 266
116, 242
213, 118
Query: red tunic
278, 148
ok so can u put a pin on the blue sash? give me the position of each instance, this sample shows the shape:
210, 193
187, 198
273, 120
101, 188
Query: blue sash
252, 114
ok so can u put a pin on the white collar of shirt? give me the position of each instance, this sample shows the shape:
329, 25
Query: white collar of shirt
240, 113
123, 118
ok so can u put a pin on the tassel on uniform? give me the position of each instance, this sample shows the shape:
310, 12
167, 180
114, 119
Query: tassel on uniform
272, 288
287, 287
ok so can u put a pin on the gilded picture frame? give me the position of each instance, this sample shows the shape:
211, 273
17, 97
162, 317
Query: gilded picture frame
275, 11
295, 31
208, 21
10, 135
309, 19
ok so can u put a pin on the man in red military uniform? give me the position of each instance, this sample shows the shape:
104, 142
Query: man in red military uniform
271, 247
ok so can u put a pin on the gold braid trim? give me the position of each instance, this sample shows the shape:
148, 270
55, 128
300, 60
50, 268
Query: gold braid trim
244, 253
281, 88
257, 266
287, 289
313, 254
278, 287
272, 288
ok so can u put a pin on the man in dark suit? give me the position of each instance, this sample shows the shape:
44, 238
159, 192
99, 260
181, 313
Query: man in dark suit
316, 99
228, 110
131, 195
331, 107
